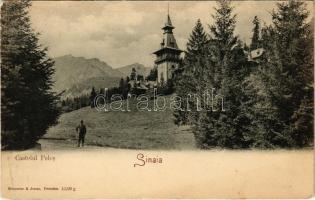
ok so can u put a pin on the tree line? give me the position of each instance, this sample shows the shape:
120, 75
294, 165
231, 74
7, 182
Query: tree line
126, 86
268, 102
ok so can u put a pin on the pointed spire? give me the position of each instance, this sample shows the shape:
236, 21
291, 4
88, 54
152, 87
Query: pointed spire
168, 24
169, 41
168, 21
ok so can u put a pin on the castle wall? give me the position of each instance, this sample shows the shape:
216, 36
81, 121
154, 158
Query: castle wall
162, 72
171, 67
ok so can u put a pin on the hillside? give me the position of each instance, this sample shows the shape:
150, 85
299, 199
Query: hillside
129, 130
77, 74
85, 86
141, 69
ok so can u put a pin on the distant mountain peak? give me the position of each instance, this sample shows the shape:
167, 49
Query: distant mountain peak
77, 75
140, 68
72, 71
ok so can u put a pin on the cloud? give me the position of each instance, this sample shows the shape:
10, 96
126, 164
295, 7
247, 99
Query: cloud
124, 32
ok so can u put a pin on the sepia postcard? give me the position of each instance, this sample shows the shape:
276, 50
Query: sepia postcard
157, 99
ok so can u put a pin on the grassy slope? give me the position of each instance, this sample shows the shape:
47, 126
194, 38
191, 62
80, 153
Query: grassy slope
134, 130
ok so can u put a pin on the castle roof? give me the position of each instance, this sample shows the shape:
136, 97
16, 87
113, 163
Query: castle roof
256, 53
168, 23
168, 41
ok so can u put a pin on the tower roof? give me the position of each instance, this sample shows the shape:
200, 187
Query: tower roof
168, 23
169, 41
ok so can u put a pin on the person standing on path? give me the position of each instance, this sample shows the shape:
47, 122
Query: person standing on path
81, 129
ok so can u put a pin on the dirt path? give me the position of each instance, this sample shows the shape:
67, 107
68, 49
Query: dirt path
53, 144
184, 138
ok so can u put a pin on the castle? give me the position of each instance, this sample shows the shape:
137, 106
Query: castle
168, 56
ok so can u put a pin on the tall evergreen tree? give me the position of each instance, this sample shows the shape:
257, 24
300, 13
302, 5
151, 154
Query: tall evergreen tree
92, 97
123, 87
292, 35
187, 75
28, 105
256, 36
101, 91
224, 128
121, 84
283, 106
196, 45
153, 74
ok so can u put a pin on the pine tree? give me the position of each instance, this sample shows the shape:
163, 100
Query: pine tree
222, 30
187, 75
153, 74
128, 85
133, 74
224, 128
292, 35
196, 45
267, 37
28, 105
101, 91
255, 38
283, 105
92, 97
121, 85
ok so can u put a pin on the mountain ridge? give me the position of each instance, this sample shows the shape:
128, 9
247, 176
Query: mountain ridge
76, 75
140, 68
71, 71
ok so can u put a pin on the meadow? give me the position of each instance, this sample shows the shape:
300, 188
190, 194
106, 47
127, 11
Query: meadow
115, 129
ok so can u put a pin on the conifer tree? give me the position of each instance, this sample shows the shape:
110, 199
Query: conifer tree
224, 128
133, 74
196, 45
101, 91
28, 105
153, 74
292, 35
121, 85
92, 97
123, 88
255, 38
283, 87
187, 76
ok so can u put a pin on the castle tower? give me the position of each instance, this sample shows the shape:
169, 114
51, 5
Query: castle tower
168, 56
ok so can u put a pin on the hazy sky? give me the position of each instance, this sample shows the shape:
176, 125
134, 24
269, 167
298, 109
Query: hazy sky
124, 32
